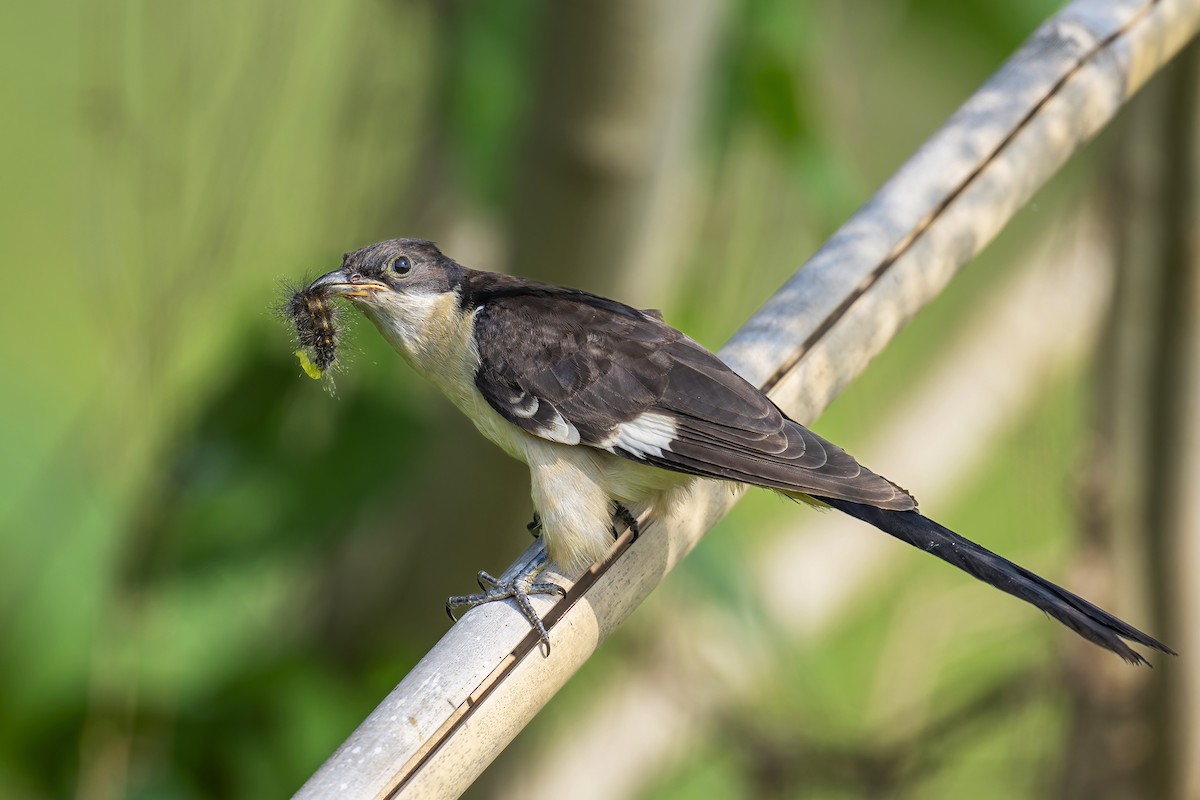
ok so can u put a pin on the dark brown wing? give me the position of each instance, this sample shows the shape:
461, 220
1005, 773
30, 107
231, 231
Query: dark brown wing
580, 369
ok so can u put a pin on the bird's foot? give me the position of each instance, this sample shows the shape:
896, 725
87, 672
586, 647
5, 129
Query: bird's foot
519, 589
535, 526
623, 516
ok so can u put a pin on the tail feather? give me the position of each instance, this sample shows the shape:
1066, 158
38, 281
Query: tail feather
1089, 621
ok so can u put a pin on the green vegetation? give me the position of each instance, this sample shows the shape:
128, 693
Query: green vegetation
211, 568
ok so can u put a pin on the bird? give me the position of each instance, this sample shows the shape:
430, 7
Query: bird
609, 406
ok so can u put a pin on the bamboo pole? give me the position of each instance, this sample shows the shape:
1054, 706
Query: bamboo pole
479, 686
809, 573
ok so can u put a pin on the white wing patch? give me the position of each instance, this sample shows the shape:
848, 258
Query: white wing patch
527, 408
648, 434
558, 430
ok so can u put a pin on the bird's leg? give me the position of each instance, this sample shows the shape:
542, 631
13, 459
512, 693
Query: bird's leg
519, 588
535, 526
625, 517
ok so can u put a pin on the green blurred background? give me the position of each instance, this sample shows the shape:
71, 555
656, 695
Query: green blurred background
211, 568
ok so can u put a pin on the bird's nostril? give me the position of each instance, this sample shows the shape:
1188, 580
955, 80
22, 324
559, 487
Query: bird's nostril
355, 277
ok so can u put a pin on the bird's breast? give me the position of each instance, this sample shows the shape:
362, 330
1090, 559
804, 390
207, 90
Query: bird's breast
437, 339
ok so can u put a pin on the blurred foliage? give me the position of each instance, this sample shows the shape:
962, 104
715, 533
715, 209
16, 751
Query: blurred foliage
207, 561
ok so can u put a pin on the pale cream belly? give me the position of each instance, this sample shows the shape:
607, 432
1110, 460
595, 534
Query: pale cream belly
574, 488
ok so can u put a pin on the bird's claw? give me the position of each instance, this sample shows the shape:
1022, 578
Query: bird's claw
518, 589
625, 517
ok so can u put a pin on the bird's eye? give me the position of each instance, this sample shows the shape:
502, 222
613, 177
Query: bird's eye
401, 265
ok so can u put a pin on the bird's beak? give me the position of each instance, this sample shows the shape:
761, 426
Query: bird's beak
344, 283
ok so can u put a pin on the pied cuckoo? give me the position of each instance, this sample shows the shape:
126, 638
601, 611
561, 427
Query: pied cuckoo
609, 406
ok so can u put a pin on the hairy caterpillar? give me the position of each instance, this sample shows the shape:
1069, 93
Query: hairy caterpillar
314, 319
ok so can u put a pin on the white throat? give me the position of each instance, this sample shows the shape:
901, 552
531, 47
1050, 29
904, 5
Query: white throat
433, 335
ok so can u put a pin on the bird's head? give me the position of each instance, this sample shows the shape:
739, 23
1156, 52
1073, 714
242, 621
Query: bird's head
375, 275
411, 292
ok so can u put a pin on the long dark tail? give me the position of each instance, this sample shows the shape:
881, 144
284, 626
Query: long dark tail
1092, 623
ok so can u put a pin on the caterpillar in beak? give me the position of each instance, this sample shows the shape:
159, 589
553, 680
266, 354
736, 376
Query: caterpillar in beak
314, 319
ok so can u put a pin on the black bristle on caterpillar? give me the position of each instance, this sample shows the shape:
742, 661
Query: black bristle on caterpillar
314, 319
